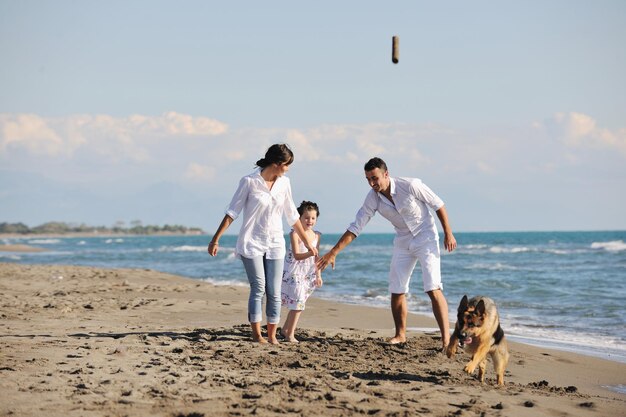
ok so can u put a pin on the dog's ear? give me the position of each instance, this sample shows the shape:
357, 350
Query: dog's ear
463, 304
480, 307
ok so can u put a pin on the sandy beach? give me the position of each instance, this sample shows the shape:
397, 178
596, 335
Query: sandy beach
20, 248
82, 341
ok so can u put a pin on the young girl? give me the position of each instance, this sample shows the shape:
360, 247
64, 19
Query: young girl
300, 276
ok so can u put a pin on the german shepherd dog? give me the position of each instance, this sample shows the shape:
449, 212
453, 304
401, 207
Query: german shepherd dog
478, 328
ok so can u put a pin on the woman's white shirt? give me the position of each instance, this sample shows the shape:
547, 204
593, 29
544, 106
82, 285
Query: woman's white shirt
262, 230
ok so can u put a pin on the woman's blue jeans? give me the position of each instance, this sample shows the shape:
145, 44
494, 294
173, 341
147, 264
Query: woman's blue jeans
265, 277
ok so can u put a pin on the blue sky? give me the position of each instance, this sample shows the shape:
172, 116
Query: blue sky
513, 112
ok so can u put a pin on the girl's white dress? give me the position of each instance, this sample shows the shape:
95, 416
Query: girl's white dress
298, 278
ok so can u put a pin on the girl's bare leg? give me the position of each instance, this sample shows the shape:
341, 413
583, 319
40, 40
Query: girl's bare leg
287, 326
289, 332
271, 333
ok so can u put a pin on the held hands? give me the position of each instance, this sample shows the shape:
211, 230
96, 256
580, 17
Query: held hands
323, 262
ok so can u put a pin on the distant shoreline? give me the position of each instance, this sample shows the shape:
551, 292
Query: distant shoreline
93, 234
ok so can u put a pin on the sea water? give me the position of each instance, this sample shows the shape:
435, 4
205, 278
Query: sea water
565, 290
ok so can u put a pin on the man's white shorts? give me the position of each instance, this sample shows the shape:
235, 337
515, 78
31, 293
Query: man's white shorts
407, 251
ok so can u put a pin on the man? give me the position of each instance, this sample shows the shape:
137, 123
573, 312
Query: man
404, 202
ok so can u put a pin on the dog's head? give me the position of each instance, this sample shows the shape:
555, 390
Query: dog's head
470, 319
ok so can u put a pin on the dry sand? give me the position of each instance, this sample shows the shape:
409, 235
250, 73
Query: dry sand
82, 341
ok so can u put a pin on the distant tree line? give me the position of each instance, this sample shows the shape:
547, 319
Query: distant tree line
135, 228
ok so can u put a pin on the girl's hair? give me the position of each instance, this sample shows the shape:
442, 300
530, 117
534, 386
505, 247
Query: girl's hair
308, 205
278, 153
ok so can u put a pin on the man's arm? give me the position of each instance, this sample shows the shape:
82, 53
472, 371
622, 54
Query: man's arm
329, 258
449, 242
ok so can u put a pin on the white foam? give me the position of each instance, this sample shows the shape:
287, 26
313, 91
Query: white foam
492, 267
499, 249
221, 282
44, 241
620, 388
184, 248
612, 246
474, 246
108, 241
373, 293
578, 342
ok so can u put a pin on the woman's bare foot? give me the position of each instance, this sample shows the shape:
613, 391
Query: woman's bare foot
273, 340
291, 339
397, 339
260, 340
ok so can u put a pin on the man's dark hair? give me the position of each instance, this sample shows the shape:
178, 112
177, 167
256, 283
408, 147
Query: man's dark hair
375, 163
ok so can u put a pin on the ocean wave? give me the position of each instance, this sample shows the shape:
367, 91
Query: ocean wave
612, 246
224, 282
492, 267
473, 247
375, 293
518, 249
563, 251
586, 343
44, 241
184, 248
371, 301
109, 241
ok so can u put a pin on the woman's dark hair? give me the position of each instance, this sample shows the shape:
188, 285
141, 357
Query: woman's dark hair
375, 163
278, 153
308, 205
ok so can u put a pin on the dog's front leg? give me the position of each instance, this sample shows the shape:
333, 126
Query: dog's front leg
481, 370
479, 355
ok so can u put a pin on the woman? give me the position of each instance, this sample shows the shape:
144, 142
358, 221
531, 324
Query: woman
264, 196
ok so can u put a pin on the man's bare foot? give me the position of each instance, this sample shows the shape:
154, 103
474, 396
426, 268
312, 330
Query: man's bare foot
260, 339
273, 341
291, 339
397, 339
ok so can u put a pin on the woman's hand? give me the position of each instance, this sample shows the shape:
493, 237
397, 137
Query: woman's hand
212, 249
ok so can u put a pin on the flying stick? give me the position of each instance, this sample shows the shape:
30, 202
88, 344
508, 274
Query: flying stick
395, 49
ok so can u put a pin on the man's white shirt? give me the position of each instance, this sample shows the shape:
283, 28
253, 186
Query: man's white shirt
409, 213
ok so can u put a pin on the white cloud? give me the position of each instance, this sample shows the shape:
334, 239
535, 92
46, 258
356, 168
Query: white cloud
174, 146
307, 151
31, 132
579, 130
125, 137
198, 172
